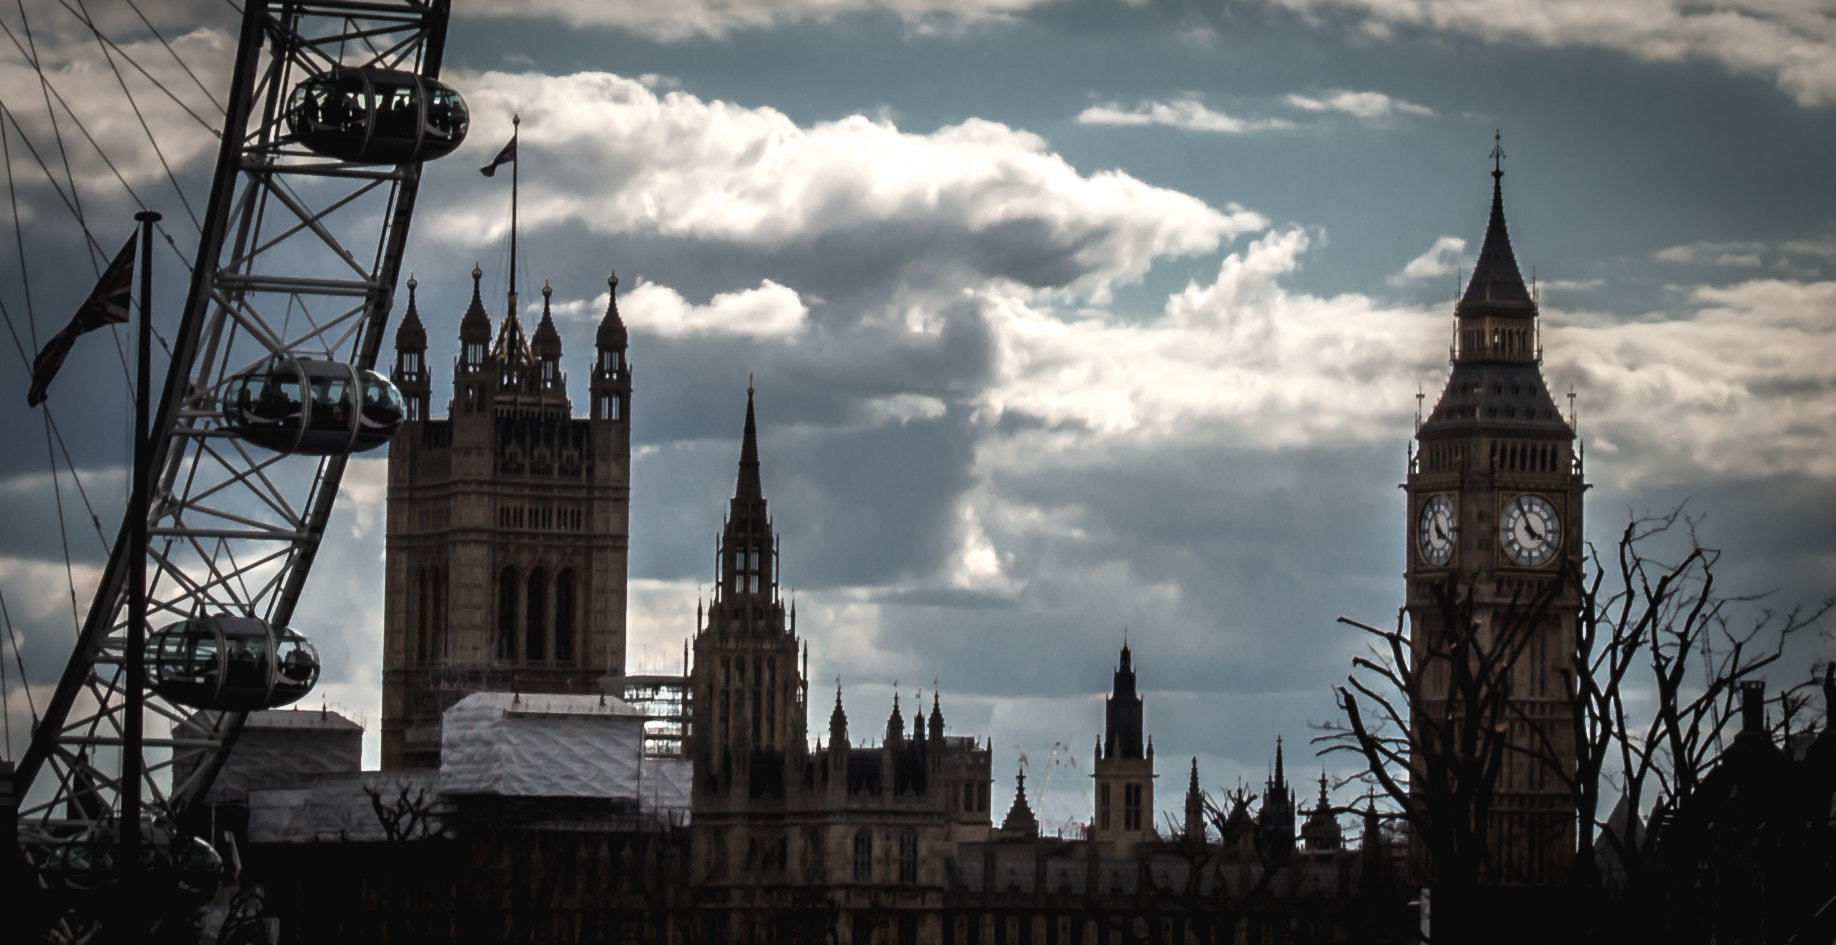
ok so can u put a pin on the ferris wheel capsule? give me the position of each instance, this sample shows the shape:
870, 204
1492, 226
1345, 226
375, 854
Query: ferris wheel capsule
184, 869
230, 664
377, 116
318, 408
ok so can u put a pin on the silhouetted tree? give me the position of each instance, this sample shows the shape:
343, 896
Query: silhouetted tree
1659, 661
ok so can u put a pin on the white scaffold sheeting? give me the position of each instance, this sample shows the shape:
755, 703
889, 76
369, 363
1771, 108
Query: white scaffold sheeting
665, 787
539, 745
283, 749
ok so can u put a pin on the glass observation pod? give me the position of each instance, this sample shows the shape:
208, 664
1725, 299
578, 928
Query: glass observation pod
319, 408
377, 116
230, 664
180, 867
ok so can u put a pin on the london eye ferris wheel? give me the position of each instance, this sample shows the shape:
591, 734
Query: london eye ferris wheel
269, 387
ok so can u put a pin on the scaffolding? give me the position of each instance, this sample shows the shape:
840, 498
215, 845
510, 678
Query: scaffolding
664, 703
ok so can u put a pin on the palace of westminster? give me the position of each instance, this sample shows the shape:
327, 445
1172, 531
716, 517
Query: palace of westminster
507, 549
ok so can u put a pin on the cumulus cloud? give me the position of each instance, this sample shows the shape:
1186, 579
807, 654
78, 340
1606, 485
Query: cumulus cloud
1366, 105
92, 110
670, 20
1441, 259
770, 309
1242, 356
1186, 114
620, 158
1791, 42
1736, 384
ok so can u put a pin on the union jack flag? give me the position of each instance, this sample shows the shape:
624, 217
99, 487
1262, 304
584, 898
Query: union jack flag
107, 305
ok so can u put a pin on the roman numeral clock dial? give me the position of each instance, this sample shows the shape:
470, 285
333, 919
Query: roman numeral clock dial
1530, 531
1434, 531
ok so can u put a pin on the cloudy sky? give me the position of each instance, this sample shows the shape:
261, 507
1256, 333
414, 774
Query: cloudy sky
1068, 319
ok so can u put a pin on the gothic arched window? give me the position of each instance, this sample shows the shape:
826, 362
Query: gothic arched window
863, 856
506, 614
564, 616
420, 616
908, 856
535, 627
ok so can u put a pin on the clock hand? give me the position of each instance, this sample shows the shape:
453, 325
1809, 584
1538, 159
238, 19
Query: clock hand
1531, 529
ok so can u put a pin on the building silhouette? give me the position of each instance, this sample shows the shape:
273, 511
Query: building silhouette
508, 524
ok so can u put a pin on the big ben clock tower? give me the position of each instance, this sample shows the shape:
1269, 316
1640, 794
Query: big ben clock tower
1495, 499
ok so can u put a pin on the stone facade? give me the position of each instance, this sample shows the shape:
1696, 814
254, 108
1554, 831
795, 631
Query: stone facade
508, 524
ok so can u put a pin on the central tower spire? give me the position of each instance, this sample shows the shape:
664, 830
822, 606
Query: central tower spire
746, 656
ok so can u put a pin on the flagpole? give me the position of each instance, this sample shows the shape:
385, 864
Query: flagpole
132, 714
515, 122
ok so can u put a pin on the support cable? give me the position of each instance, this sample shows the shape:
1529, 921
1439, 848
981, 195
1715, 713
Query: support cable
142, 118
119, 178
44, 87
13, 119
149, 76
174, 53
13, 636
63, 534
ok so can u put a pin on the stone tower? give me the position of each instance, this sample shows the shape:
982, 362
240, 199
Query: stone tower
749, 692
508, 524
1124, 768
1275, 819
1494, 531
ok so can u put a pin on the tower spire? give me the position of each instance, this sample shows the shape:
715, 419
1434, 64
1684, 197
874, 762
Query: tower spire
1496, 278
1020, 820
1195, 805
838, 720
750, 488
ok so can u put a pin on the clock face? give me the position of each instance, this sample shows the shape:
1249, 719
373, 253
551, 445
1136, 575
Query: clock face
1530, 530
1434, 531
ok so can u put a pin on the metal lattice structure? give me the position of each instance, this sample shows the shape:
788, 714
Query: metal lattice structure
299, 257
664, 702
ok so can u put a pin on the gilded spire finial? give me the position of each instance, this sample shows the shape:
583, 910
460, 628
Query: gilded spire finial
1497, 154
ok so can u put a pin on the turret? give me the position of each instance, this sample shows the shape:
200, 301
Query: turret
1277, 815
611, 386
1020, 821
1195, 805
546, 347
936, 720
895, 723
838, 723
1122, 714
1124, 768
410, 374
470, 388
1321, 831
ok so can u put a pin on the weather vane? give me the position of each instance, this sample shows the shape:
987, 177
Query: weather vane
1497, 154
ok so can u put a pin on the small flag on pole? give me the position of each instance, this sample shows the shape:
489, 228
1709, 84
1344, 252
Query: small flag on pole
107, 305
503, 157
